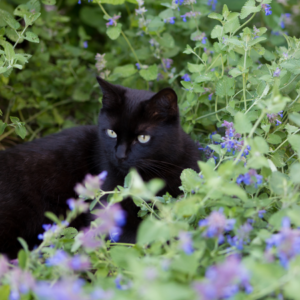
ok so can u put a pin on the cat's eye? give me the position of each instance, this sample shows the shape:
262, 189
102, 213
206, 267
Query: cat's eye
111, 133
143, 138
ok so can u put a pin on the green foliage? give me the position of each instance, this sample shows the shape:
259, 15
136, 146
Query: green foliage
238, 71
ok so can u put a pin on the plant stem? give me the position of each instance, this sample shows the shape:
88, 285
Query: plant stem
210, 114
244, 24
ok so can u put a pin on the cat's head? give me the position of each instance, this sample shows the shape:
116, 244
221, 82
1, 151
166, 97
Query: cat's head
137, 126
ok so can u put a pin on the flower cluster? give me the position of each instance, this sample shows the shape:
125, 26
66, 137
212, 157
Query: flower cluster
141, 10
232, 140
170, 20
251, 177
216, 225
167, 62
286, 243
113, 21
185, 242
186, 77
207, 151
91, 185
190, 14
109, 221
285, 19
224, 280
273, 118
267, 8
63, 260
100, 65
50, 230
276, 72
242, 236
212, 3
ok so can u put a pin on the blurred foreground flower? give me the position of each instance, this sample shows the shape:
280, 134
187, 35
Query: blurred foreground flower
273, 118
185, 242
223, 280
251, 177
286, 242
3, 266
216, 225
242, 236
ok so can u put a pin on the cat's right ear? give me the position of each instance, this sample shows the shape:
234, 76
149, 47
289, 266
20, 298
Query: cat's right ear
111, 94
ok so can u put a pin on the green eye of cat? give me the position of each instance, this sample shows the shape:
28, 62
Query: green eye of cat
144, 138
111, 133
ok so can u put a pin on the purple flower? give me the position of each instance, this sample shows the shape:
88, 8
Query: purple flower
79, 263
285, 18
223, 280
120, 285
212, 3
210, 96
4, 267
98, 294
267, 8
167, 62
183, 18
61, 290
242, 236
112, 21
261, 213
185, 242
179, 2
138, 66
49, 230
186, 77
204, 40
79, 1
78, 205
85, 44
232, 140
170, 20
88, 239
251, 177
216, 225
273, 118
140, 11
286, 242
276, 73
60, 257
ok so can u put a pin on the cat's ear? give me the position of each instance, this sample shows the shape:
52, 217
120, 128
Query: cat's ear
111, 94
163, 104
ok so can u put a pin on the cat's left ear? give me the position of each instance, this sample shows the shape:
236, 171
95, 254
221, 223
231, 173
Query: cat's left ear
163, 104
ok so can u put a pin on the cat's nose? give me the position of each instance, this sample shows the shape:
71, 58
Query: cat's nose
121, 152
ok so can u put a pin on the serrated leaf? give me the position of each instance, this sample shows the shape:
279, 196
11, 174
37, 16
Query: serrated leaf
2, 126
248, 9
241, 123
203, 78
294, 140
225, 87
232, 23
21, 131
9, 51
124, 71
114, 31
235, 72
150, 73
9, 19
31, 7
215, 16
274, 139
295, 117
256, 41
235, 41
189, 179
195, 68
31, 37
292, 65
217, 32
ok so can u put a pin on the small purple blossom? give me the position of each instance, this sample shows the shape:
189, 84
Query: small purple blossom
212, 3
120, 283
210, 96
191, 14
232, 140
4, 267
224, 280
273, 118
49, 230
216, 225
204, 40
79, 263
261, 213
138, 66
242, 237
170, 20
112, 21
186, 77
78, 205
88, 239
179, 2
79, 1
267, 8
285, 19
167, 62
140, 11
251, 177
59, 258
276, 72
85, 44
286, 242
185, 242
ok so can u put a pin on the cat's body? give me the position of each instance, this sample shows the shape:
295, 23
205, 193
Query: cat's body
40, 176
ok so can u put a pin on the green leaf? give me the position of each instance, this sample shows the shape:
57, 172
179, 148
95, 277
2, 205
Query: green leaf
113, 2
225, 87
274, 139
29, 8
232, 23
156, 24
241, 123
249, 8
215, 16
21, 131
114, 31
292, 65
256, 41
124, 71
217, 32
22, 259
295, 117
3, 69
203, 78
195, 68
278, 183
294, 140
235, 41
9, 51
49, 2
9, 19
189, 180
235, 72
150, 73
2, 126
295, 173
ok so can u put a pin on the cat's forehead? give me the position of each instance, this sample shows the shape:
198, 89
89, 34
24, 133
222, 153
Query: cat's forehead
132, 96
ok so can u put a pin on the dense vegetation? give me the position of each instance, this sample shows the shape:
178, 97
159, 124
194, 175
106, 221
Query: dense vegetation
234, 232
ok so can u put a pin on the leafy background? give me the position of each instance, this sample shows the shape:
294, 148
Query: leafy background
234, 232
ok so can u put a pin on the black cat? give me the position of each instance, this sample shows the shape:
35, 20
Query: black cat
136, 128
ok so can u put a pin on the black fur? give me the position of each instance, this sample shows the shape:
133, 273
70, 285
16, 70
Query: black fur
40, 176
